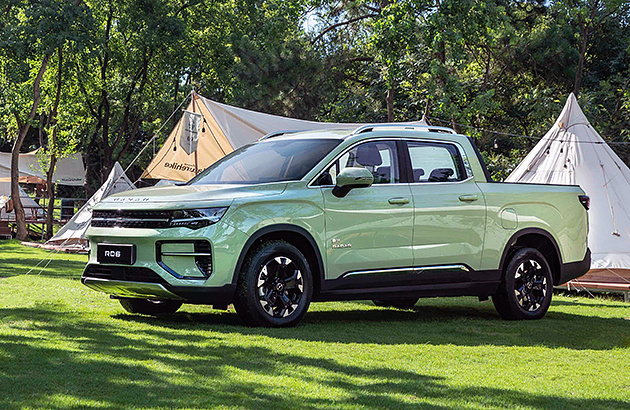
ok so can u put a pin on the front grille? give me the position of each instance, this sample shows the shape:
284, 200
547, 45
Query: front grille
131, 219
126, 273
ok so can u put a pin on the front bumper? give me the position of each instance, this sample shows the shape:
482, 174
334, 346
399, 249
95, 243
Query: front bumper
129, 282
574, 270
153, 276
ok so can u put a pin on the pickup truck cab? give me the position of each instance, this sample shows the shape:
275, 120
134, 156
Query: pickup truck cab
384, 212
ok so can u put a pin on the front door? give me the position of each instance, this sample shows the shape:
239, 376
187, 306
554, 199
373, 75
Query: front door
370, 229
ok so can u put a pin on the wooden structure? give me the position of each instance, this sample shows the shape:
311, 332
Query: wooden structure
604, 280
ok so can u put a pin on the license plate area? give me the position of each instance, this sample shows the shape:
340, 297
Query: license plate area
117, 254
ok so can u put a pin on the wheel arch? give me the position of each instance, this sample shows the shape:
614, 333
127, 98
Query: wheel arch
540, 240
293, 234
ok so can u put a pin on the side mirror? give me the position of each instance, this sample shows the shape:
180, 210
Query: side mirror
350, 178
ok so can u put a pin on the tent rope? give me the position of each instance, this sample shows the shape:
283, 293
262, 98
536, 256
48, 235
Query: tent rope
508, 134
156, 134
578, 285
618, 275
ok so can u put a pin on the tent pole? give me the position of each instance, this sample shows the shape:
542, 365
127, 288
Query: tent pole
193, 108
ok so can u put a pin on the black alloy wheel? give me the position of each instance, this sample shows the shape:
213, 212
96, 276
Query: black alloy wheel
275, 285
530, 285
280, 287
527, 286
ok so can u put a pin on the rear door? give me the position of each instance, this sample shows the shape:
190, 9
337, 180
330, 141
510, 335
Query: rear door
370, 229
450, 212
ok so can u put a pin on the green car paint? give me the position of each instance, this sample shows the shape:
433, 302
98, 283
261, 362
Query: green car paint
449, 237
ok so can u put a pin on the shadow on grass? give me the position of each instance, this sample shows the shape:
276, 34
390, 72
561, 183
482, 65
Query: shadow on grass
100, 366
463, 326
18, 260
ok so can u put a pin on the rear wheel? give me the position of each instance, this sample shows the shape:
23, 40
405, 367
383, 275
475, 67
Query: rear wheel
397, 303
150, 307
526, 289
275, 286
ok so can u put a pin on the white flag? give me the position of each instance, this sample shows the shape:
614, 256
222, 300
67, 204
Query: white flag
190, 131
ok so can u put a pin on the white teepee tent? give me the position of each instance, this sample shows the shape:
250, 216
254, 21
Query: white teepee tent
72, 234
573, 153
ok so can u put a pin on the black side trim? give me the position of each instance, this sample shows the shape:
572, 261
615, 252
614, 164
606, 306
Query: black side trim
482, 289
358, 286
278, 228
574, 270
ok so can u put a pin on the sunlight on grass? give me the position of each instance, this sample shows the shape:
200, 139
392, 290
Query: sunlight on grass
64, 346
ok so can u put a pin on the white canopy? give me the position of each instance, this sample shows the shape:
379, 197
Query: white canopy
68, 171
73, 232
573, 153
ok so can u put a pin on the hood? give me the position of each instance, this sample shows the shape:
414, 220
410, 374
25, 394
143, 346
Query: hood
187, 196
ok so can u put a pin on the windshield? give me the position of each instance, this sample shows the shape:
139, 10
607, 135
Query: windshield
267, 161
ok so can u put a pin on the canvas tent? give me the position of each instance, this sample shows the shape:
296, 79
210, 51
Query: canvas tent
32, 210
72, 234
68, 170
573, 153
221, 129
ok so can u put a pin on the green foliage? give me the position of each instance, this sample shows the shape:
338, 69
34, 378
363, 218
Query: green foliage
504, 65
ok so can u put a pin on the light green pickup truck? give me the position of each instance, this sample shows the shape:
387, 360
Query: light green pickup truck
388, 213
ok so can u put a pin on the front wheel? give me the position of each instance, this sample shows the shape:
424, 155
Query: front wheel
275, 286
526, 289
150, 307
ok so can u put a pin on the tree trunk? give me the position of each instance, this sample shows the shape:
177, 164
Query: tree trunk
390, 104
52, 146
580, 67
20, 219
51, 195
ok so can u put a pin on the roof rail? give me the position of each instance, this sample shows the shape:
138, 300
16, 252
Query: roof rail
279, 133
409, 126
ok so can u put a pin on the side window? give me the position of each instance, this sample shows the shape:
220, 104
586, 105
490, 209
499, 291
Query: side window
378, 157
435, 162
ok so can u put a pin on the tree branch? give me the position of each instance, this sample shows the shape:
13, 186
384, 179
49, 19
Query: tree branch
343, 23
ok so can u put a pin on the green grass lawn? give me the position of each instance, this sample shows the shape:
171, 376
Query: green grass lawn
63, 346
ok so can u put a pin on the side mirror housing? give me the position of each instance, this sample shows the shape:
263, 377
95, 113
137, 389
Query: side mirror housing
350, 178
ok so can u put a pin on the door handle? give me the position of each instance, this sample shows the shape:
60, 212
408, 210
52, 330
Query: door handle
399, 201
468, 198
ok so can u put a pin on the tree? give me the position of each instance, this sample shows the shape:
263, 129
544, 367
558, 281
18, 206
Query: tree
586, 16
31, 31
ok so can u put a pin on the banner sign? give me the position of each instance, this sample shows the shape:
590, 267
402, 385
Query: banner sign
189, 137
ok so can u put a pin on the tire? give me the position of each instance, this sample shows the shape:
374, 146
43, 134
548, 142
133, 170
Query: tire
275, 286
150, 307
397, 303
527, 287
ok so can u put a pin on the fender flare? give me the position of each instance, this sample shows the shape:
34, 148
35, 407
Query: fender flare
528, 231
278, 228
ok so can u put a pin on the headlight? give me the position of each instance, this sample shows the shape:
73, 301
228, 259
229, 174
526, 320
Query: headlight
196, 218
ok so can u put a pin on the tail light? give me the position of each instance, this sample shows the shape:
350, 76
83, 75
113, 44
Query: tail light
585, 201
